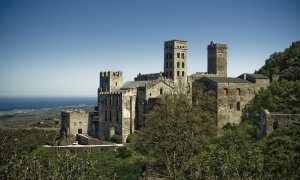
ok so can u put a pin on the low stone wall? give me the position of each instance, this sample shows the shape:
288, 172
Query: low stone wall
269, 121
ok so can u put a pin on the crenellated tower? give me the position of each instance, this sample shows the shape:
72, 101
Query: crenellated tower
110, 81
217, 59
175, 60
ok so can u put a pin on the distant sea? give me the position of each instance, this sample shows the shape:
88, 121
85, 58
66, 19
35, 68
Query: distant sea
12, 103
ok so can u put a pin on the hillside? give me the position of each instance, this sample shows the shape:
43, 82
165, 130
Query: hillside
286, 63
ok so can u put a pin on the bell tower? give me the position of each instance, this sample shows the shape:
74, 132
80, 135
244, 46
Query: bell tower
217, 59
175, 60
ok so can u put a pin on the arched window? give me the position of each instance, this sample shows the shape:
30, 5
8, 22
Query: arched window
182, 55
225, 92
238, 92
182, 73
178, 73
178, 65
182, 65
161, 91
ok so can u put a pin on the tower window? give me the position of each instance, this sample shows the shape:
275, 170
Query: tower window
178, 65
117, 116
105, 117
238, 106
170, 64
182, 73
225, 92
177, 73
166, 74
170, 55
238, 92
171, 74
166, 64
182, 55
182, 65
161, 91
110, 117
178, 55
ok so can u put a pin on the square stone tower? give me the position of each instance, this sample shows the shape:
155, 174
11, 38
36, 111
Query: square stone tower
217, 59
175, 60
110, 81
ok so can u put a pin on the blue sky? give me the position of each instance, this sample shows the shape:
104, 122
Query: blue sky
58, 47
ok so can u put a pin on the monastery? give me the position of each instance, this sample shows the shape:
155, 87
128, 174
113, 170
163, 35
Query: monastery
122, 105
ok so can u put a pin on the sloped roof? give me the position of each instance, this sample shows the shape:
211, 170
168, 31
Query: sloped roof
133, 84
227, 80
257, 76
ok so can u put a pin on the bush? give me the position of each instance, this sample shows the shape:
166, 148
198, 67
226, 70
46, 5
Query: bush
123, 152
116, 139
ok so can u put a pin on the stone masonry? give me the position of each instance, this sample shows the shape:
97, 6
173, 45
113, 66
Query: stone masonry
122, 106
74, 122
269, 121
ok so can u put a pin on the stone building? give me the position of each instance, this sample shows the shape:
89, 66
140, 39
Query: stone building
217, 59
74, 122
261, 81
232, 95
122, 106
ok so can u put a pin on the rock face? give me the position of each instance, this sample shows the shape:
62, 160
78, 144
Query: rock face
122, 106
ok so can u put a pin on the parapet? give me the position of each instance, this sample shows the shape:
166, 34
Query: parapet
216, 45
111, 73
69, 111
146, 77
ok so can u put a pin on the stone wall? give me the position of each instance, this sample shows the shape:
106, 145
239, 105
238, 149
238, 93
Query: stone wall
230, 106
217, 59
176, 60
110, 114
74, 122
269, 121
110, 81
231, 99
128, 113
147, 77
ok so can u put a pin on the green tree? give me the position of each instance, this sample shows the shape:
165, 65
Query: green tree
286, 63
176, 130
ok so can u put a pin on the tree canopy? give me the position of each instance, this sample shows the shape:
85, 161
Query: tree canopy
176, 130
286, 64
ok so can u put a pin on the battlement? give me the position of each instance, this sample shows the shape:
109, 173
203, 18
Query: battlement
69, 111
146, 77
111, 73
216, 45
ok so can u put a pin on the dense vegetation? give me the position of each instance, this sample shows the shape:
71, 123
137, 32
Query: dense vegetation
286, 64
180, 146
22, 157
176, 130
